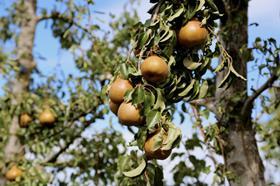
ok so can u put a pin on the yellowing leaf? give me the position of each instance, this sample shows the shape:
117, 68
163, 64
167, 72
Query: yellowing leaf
173, 137
188, 89
203, 89
137, 171
177, 14
201, 4
189, 64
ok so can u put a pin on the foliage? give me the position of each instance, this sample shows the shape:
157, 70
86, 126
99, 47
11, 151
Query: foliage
72, 152
269, 131
157, 36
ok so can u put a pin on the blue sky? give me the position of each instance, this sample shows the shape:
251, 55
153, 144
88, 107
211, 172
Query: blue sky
266, 13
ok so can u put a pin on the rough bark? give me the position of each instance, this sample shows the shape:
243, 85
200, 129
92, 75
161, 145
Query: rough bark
21, 82
240, 150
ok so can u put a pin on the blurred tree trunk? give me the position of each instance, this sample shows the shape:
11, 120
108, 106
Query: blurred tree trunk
240, 150
21, 82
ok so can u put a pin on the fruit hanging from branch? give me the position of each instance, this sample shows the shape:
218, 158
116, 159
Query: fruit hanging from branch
118, 89
153, 146
154, 69
114, 107
24, 120
13, 173
129, 114
192, 34
47, 117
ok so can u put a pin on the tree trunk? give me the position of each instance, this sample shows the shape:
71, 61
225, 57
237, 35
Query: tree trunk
241, 156
20, 84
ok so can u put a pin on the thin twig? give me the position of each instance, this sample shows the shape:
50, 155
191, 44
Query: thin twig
58, 16
53, 157
209, 103
198, 119
203, 134
249, 101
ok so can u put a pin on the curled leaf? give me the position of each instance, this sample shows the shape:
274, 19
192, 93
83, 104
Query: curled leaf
137, 171
160, 103
188, 89
173, 138
177, 14
189, 64
201, 4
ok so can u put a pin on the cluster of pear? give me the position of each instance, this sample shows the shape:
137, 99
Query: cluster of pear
46, 118
154, 70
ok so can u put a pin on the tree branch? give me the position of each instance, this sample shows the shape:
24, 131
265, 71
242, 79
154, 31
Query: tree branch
203, 134
66, 19
209, 103
53, 157
250, 100
199, 122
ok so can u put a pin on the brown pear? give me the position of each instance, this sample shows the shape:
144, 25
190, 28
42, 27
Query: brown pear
47, 117
192, 34
118, 89
13, 173
155, 154
24, 120
129, 115
154, 69
114, 107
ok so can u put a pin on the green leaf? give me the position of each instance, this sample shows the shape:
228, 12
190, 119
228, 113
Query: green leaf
171, 61
220, 66
203, 89
149, 101
189, 64
188, 89
158, 140
129, 95
193, 142
146, 38
173, 138
137, 171
167, 37
177, 14
138, 95
141, 137
124, 70
160, 102
158, 176
200, 165
201, 4
212, 5
152, 119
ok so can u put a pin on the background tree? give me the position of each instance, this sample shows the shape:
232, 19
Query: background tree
43, 152
74, 103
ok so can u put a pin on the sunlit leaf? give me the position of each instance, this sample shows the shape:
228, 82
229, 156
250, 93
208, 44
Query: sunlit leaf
137, 171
